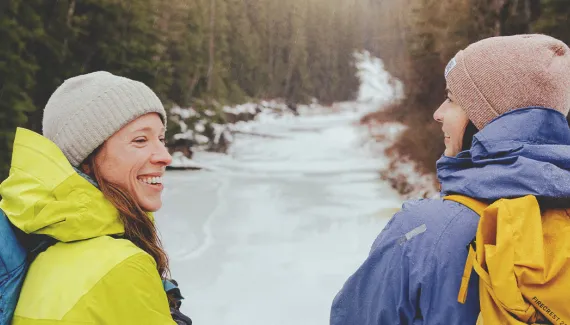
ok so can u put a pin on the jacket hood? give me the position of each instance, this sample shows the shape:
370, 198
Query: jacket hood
523, 152
44, 194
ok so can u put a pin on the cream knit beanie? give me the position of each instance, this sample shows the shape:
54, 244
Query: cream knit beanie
500, 74
86, 110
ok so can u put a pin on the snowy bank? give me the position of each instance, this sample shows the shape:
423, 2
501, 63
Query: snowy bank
211, 127
401, 173
380, 90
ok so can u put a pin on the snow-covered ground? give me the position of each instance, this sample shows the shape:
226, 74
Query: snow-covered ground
268, 235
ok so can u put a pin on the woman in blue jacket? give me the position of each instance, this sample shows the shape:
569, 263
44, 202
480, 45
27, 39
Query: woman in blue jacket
506, 136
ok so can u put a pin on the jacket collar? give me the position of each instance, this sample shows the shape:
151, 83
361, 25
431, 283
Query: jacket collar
525, 151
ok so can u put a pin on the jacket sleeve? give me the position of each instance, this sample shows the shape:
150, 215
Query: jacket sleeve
131, 293
385, 288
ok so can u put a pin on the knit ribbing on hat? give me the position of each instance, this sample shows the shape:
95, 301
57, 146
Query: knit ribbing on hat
86, 110
501, 74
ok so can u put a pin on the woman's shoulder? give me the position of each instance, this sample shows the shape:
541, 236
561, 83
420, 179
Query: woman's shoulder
427, 222
67, 273
105, 251
437, 212
87, 279
87, 261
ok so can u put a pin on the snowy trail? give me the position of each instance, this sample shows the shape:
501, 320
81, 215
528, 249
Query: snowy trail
270, 234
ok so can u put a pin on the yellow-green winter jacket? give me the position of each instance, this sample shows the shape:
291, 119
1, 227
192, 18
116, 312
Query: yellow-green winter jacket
88, 277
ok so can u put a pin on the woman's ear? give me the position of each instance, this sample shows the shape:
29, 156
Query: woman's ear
86, 167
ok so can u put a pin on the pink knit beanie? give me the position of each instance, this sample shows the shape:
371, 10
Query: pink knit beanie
500, 74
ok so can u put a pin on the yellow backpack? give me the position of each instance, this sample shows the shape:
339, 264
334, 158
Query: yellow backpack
522, 257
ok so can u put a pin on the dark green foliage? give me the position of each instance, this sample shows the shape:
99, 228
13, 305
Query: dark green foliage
19, 25
219, 52
191, 52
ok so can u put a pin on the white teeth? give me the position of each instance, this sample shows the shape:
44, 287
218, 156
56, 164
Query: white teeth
151, 180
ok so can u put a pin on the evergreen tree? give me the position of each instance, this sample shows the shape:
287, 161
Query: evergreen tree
297, 85
209, 52
51, 53
119, 37
186, 52
19, 25
244, 49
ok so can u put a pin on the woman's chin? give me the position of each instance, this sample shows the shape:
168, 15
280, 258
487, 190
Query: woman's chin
151, 206
450, 153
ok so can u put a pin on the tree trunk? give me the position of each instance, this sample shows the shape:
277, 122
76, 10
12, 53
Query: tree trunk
212, 44
70, 13
193, 83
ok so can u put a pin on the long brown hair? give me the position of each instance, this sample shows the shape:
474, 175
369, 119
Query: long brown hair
139, 228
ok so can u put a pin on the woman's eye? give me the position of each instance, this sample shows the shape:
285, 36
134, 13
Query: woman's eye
140, 140
163, 140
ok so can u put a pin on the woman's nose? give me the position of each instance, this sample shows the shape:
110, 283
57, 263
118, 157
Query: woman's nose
162, 156
438, 115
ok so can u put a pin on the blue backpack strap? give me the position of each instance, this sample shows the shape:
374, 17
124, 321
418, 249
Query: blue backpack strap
172, 290
17, 251
12, 253
175, 300
13, 268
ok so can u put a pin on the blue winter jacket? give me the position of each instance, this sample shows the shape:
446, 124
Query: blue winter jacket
413, 272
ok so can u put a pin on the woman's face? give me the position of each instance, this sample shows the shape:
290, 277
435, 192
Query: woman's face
135, 158
454, 120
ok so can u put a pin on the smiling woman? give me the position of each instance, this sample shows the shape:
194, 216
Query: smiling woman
454, 121
92, 183
504, 178
127, 168
134, 159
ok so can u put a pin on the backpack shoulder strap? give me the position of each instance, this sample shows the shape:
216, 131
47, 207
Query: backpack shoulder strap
12, 253
478, 207
32, 244
475, 205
